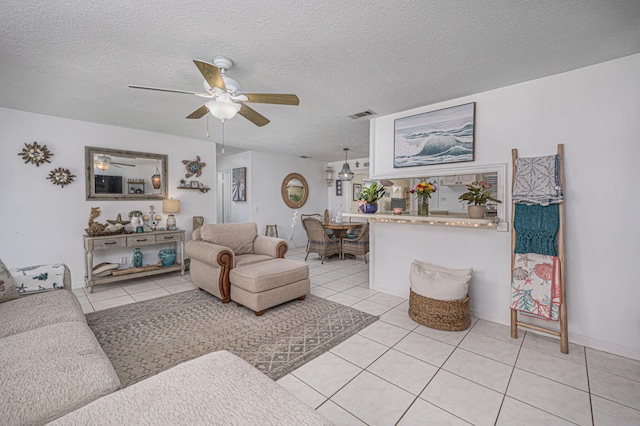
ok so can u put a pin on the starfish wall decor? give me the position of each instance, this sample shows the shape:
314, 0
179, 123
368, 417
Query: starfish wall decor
61, 176
35, 154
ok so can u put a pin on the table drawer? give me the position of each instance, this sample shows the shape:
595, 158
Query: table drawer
140, 240
108, 243
168, 238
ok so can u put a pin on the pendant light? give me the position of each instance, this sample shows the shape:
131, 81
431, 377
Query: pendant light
155, 179
345, 173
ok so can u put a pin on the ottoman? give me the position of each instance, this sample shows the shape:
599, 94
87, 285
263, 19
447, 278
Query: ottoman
262, 285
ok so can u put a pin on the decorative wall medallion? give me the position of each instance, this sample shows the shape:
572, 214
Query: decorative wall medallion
61, 176
194, 168
35, 154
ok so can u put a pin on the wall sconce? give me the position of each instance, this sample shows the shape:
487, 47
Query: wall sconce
171, 206
329, 175
155, 179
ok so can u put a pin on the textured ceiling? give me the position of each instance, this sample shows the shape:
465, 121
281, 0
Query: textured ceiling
75, 58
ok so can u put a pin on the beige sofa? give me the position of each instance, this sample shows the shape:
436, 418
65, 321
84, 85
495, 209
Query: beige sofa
53, 369
218, 248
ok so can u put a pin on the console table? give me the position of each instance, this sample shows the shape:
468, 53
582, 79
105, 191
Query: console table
130, 240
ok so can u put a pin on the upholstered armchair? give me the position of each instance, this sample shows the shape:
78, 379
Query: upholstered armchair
359, 245
218, 248
319, 241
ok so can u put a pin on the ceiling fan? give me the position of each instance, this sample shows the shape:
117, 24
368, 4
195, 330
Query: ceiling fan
225, 96
103, 162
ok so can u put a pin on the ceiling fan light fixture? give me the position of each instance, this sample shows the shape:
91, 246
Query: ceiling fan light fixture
223, 110
345, 173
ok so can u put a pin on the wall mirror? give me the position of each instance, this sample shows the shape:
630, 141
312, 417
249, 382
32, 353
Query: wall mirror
125, 175
294, 190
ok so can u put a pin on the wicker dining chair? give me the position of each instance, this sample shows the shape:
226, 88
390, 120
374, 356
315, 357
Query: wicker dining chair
357, 246
319, 241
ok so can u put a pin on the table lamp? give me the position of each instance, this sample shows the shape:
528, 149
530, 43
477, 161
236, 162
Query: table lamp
171, 206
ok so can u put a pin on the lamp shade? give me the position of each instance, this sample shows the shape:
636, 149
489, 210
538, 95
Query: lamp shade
170, 206
345, 173
223, 110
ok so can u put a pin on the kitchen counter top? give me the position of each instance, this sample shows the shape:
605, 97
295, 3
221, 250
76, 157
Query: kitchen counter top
451, 219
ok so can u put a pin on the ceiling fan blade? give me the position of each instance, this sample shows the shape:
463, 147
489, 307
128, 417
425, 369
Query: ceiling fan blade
272, 98
157, 89
124, 164
211, 73
253, 116
199, 113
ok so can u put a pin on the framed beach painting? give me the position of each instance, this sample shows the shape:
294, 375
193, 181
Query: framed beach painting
239, 184
435, 137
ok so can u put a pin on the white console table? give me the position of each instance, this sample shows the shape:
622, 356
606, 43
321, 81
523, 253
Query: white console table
130, 240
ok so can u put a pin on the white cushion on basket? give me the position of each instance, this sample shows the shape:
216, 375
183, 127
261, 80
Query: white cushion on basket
436, 282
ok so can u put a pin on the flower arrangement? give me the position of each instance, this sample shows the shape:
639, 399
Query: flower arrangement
424, 189
478, 194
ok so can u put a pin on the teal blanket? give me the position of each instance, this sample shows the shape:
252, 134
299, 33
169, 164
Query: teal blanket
536, 229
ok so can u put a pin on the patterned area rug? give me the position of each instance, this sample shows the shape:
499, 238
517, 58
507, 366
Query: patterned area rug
145, 338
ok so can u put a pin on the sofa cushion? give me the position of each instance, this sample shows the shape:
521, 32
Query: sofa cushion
249, 259
39, 278
51, 371
8, 289
37, 310
237, 236
270, 274
217, 389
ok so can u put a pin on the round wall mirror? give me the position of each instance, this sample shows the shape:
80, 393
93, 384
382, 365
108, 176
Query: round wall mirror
294, 190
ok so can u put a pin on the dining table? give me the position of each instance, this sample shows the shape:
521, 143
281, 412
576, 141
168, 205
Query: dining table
339, 229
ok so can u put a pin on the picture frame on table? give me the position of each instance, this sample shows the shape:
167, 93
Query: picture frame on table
356, 191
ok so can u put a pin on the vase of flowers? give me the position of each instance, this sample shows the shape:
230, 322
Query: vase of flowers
423, 191
477, 196
369, 196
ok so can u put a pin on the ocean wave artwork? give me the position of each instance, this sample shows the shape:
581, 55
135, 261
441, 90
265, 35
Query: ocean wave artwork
436, 137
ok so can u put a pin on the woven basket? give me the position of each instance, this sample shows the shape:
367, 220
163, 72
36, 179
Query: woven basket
103, 234
448, 315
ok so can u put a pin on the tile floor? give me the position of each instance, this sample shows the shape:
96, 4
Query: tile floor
399, 372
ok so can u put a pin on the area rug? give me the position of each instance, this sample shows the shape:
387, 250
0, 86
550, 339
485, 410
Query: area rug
145, 338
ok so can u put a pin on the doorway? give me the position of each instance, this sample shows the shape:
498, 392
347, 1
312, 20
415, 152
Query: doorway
224, 197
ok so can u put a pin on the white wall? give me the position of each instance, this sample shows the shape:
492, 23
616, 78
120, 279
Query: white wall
44, 223
264, 204
595, 113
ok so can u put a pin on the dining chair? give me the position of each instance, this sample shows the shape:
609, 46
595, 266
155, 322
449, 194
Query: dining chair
359, 245
318, 240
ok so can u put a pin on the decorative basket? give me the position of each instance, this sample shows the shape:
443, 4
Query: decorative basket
104, 233
448, 315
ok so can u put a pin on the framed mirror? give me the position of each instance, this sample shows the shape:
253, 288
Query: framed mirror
125, 175
294, 190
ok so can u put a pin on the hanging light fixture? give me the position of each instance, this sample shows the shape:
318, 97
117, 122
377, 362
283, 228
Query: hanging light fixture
345, 173
223, 108
329, 175
155, 179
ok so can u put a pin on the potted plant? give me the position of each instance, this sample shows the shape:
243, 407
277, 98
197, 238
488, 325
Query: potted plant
478, 194
183, 183
423, 191
369, 196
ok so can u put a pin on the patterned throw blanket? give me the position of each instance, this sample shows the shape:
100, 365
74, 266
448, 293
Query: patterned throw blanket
538, 180
535, 286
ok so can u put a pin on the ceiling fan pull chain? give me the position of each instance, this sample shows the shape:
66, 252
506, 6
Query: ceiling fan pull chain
207, 126
222, 137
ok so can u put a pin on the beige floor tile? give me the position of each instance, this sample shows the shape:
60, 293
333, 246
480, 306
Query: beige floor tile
371, 307
514, 412
423, 412
554, 368
375, 401
79, 292
615, 388
551, 347
359, 350
322, 292
386, 300
139, 287
339, 285
112, 303
169, 281
477, 368
448, 337
399, 319
360, 292
338, 415
607, 412
403, 370
615, 364
150, 294
463, 398
497, 331
327, 373
490, 347
111, 293
344, 299
553, 397
87, 308
384, 333
425, 348
302, 391
179, 288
